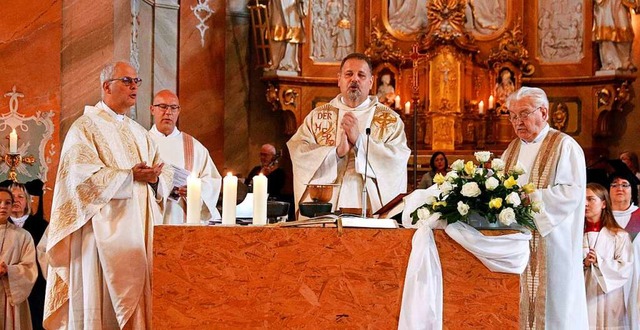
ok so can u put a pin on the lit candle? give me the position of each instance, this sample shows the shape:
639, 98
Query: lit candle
481, 107
13, 142
229, 195
397, 101
260, 199
194, 202
491, 102
407, 108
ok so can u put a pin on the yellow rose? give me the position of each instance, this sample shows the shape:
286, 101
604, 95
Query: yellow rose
469, 168
510, 182
495, 203
439, 204
529, 188
439, 178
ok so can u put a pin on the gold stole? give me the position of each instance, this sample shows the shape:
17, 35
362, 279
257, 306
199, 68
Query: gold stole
533, 282
187, 143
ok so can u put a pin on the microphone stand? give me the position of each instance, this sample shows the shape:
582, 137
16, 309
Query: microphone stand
366, 167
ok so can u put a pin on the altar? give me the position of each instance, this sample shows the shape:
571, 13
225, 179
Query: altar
257, 277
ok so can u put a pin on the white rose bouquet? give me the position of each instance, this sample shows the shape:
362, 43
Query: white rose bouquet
483, 189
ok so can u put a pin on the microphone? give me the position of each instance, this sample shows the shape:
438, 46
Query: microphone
366, 167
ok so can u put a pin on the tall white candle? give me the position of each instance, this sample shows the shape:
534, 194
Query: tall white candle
397, 101
407, 108
13, 142
481, 107
260, 199
491, 102
229, 195
194, 200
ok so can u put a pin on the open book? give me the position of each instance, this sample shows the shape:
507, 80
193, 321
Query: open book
342, 221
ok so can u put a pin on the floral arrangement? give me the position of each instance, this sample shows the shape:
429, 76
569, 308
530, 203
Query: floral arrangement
484, 189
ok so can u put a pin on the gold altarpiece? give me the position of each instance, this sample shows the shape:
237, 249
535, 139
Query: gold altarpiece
455, 74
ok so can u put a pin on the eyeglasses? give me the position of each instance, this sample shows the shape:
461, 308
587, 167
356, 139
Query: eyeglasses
620, 185
127, 81
173, 108
522, 116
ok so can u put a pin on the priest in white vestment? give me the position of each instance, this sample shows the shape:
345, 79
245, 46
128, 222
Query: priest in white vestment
107, 198
18, 269
330, 145
608, 262
553, 284
628, 217
183, 151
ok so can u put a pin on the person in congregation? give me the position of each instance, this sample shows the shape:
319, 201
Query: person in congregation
627, 215
18, 270
439, 164
184, 152
555, 164
331, 144
608, 262
269, 159
22, 217
109, 193
630, 159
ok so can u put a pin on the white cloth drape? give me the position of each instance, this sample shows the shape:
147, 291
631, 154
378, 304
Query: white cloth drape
422, 294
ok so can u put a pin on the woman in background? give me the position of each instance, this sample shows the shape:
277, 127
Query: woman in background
439, 164
18, 270
608, 262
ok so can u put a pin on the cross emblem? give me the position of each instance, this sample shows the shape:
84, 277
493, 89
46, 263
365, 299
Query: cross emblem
383, 120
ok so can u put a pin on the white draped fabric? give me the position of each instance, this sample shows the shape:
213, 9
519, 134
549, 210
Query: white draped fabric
422, 293
632, 287
172, 152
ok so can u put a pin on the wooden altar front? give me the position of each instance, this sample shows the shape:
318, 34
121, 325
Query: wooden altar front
275, 278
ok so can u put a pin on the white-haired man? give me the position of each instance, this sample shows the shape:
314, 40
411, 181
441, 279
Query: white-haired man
108, 196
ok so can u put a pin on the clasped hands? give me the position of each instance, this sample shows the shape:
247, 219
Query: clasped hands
350, 133
590, 259
147, 174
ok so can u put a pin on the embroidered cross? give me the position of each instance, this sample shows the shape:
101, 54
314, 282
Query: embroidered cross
383, 120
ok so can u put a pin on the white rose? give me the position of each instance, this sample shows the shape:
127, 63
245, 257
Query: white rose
431, 199
482, 156
470, 189
479, 170
507, 216
491, 183
497, 164
536, 206
423, 213
458, 165
518, 169
446, 188
463, 208
513, 199
451, 175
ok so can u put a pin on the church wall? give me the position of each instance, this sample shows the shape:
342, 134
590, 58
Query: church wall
30, 56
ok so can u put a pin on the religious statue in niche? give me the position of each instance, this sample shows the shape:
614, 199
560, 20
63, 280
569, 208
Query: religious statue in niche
287, 33
504, 87
408, 16
560, 27
332, 29
386, 90
485, 17
613, 32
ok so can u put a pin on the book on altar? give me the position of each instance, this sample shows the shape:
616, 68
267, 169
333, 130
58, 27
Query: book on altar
345, 221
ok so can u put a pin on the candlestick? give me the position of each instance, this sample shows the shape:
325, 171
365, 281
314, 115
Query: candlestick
407, 108
229, 195
13, 142
491, 102
194, 201
481, 107
260, 199
397, 102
